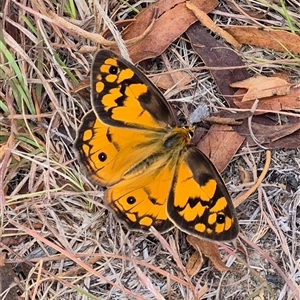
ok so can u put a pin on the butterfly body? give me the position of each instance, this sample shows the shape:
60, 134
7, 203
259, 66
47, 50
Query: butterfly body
130, 143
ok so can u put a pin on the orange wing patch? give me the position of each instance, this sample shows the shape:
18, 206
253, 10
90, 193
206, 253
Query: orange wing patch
109, 154
123, 96
141, 202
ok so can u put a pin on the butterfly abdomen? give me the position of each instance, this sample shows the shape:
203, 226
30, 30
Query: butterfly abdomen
142, 166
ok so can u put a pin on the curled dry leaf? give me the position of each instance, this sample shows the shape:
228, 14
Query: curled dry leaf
262, 87
223, 121
208, 23
278, 40
194, 264
210, 250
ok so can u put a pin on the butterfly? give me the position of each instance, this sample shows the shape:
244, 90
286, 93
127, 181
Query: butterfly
130, 143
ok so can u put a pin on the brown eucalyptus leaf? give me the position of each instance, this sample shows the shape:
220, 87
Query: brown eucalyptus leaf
173, 19
224, 63
210, 250
220, 144
278, 40
261, 87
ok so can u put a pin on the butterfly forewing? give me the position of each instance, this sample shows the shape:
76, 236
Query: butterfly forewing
123, 96
199, 203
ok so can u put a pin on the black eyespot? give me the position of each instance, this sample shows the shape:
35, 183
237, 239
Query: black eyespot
102, 156
220, 219
113, 70
131, 200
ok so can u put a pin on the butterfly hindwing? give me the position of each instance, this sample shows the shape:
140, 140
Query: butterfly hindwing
141, 202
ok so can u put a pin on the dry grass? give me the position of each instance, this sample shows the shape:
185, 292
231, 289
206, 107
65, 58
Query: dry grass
55, 230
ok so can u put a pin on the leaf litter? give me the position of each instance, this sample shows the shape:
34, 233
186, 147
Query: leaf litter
46, 198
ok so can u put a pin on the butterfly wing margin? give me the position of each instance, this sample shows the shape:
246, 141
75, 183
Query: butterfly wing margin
199, 203
123, 96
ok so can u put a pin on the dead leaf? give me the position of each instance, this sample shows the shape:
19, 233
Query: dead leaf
272, 136
209, 24
221, 59
220, 144
278, 40
173, 20
210, 250
194, 264
82, 89
261, 87
290, 101
166, 81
